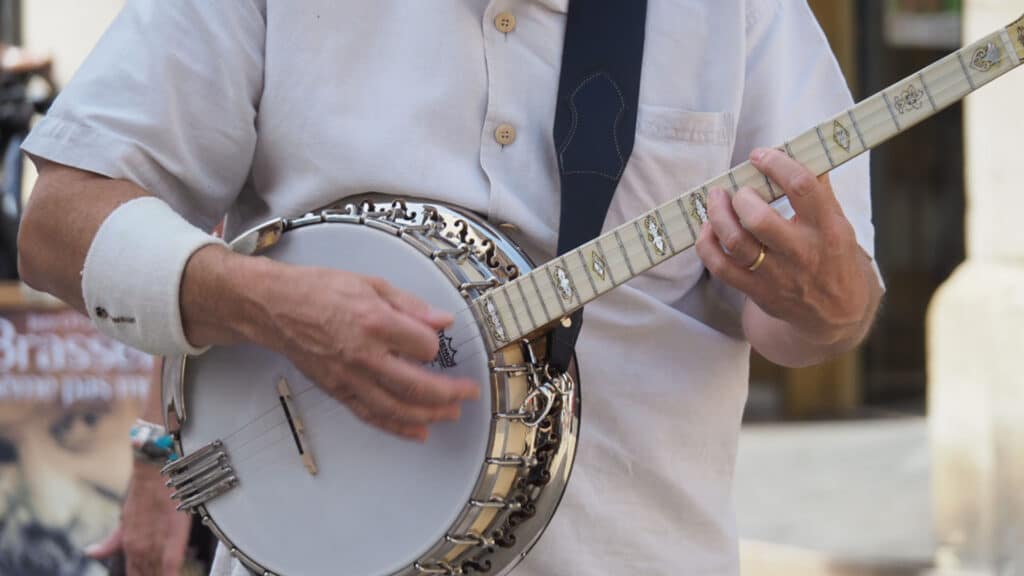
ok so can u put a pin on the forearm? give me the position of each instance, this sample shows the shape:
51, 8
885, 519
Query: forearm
788, 345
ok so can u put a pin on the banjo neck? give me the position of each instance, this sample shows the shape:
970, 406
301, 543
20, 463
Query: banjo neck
565, 284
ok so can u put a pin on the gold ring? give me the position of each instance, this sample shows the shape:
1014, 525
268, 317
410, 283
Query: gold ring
760, 260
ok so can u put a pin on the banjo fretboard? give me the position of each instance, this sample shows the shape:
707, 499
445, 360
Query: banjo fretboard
561, 286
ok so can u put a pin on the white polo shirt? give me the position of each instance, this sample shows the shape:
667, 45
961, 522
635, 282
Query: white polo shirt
260, 108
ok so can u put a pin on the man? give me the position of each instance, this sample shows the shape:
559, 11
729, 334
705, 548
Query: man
258, 109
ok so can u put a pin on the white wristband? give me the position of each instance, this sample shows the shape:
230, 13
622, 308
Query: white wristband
132, 275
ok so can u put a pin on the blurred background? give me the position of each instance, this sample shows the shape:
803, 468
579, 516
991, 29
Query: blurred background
895, 459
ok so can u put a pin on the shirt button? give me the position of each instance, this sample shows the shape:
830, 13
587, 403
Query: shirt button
505, 22
505, 134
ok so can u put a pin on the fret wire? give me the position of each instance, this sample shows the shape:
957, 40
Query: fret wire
892, 112
512, 309
789, 150
828, 153
686, 216
1008, 47
540, 295
629, 264
608, 266
640, 234
529, 309
664, 230
586, 269
856, 128
567, 266
967, 73
732, 179
551, 278
920, 76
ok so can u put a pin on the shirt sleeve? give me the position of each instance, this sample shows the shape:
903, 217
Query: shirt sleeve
168, 100
792, 83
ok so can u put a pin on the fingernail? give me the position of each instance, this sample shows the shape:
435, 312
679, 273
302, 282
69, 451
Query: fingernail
758, 154
91, 549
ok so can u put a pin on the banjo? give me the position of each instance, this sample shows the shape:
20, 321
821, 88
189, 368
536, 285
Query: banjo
293, 484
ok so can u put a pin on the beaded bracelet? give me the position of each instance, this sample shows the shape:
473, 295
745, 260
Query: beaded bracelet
151, 443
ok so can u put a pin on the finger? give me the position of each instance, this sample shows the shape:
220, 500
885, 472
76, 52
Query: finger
374, 392
106, 548
422, 386
721, 266
411, 305
810, 197
415, 432
740, 244
763, 221
405, 336
176, 544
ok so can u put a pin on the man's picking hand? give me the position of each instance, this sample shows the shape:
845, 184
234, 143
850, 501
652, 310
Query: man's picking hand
364, 341
813, 275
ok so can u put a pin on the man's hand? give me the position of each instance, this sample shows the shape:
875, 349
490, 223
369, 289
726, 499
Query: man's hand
815, 293
359, 338
153, 536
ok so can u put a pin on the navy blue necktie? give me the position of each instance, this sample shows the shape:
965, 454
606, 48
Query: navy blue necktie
595, 124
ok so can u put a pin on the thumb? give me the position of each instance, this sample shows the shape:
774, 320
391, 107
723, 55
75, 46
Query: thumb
176, 545
106, 548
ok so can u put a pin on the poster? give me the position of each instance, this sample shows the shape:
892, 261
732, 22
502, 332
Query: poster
68, 397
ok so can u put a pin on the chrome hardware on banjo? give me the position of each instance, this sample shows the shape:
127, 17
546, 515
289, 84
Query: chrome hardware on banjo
262, 446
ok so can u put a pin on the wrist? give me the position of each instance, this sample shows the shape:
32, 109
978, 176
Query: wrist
220, 297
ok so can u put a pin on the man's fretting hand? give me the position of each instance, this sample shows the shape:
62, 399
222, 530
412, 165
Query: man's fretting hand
815, 278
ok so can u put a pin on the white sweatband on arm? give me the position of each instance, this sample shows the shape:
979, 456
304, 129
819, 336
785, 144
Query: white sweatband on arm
132, 275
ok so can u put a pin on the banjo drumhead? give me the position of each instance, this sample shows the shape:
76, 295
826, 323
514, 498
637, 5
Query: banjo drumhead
378, 503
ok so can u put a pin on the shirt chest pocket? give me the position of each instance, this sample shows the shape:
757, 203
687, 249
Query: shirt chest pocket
675, 151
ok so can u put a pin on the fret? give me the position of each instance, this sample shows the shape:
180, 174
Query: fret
512, 309
587, 269
643, 241
908, 101
946, 82
967, 74
497, 328
1016, 33
584, 290
540, 295
560, 297
732, 180
839, 136
856, 129
529, 307
507, 315
634, 245
601, 253
625, 255
664, 232
677, 228
1011, 49
824, 146
746, 175
808, 151
927, 92
875, 123
987, 59
788, 150
721, 181
892, 111
681, 203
